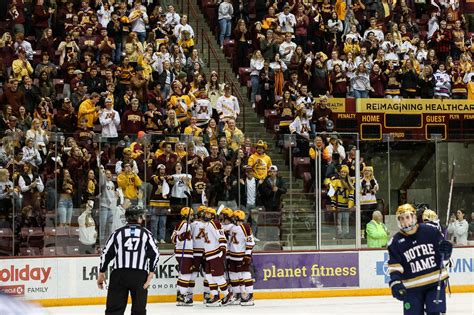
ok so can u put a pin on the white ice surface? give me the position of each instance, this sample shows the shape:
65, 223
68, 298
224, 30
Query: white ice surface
458, 304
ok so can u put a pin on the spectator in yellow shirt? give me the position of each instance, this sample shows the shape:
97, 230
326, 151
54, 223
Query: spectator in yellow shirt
129, 182
235, 137
90, 110
260, 161
21, 67
193, 129
470, 89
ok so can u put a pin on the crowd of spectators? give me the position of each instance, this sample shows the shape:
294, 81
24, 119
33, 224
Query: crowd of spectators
359, 48
108, 101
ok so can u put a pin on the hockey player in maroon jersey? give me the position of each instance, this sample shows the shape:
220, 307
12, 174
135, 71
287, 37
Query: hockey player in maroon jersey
215, 248
183, 241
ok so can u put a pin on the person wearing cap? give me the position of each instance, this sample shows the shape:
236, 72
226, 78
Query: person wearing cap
12, 130
260, 161
89, 109
335, 146
159, 203
46, 65
227, 105
109, 120
272, 189
342, 193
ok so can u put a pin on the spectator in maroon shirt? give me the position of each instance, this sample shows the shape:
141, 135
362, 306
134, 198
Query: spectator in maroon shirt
168, 158
13, 96
133, 120
442, 39
41, 18
378, 80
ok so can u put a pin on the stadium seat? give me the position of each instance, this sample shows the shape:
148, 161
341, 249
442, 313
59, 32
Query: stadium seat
300, 166
73, 250
244, 75
307, 183
6, 241
229, 48
29, 251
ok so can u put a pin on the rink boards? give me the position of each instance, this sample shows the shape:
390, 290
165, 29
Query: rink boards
72, 280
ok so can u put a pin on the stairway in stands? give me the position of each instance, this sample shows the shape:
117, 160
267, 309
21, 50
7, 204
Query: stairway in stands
297, 226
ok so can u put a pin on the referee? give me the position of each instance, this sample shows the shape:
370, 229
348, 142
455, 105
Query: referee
133, 251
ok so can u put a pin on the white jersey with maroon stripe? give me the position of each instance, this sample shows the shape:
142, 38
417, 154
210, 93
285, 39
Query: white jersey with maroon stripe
181, 228
214, 241
241, 242
199, 237
202, 110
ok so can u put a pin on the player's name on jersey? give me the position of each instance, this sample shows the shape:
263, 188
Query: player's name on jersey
415, 256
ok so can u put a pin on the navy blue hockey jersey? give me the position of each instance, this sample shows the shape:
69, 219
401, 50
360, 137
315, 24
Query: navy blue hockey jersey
415, 259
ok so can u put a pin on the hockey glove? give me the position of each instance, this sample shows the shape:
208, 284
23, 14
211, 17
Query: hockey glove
398, 290
445, 249
185, 235
247, 260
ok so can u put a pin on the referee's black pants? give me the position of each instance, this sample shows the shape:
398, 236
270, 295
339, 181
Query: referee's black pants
121, 282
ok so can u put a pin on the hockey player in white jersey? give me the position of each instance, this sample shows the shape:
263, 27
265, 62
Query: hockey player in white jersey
215, 248
241, 243
183, 241
199, 237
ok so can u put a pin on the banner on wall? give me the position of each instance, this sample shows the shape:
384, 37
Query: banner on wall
375, 272
337, 105
49, 278
306, 270
414, 106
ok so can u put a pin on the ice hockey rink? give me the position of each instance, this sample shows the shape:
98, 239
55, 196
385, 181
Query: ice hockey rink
458, 304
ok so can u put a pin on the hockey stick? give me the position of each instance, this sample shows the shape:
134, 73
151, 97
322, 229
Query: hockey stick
167, 259
445, 235
188, 195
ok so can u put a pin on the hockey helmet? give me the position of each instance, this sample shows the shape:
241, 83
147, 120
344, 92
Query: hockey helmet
407, 226
201, 208
186, 211
405, 208
429, 215
227, 212
210, 210
133, 213
239, 215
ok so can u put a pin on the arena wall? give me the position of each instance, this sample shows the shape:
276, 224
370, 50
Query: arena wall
72, 280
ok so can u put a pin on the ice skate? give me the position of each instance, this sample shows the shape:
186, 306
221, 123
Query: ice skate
248, 300
215, 301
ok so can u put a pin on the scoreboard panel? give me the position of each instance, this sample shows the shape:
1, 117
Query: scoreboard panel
371, 127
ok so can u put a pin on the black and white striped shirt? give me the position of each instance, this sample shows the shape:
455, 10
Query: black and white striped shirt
130, 247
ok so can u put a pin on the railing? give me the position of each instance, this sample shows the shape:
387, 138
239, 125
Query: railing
210, 51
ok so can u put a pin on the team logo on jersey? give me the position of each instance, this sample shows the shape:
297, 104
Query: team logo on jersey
407, 306
381, 268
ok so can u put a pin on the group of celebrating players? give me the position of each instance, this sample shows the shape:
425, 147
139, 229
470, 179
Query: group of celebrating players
219, 243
